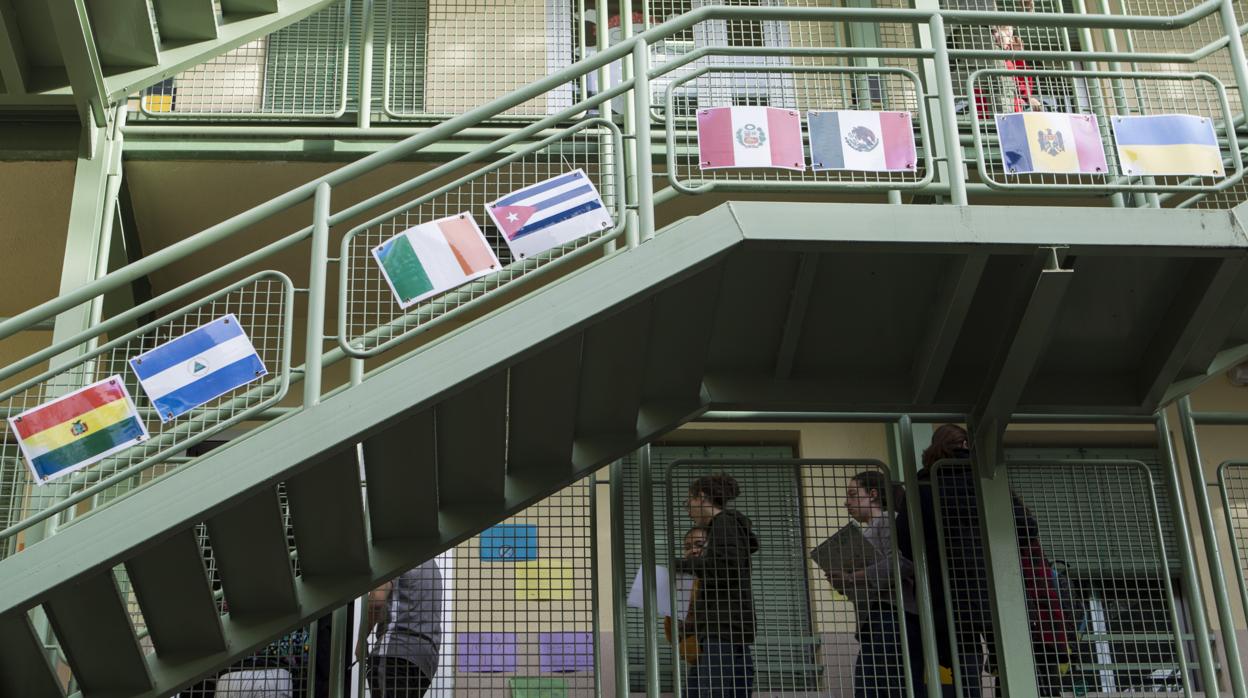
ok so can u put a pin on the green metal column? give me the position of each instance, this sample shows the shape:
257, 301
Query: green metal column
948, 115
1194, 592
619, 580
1011, 627
649, 605
922, 585
1213, 552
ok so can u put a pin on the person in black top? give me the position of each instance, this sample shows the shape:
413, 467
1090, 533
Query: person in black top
723, 613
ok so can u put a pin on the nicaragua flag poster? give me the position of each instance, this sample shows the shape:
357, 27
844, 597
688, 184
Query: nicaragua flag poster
549, 214
198, 367
78, 429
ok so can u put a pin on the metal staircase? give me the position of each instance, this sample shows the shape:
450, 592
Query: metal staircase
725, 310
94, 53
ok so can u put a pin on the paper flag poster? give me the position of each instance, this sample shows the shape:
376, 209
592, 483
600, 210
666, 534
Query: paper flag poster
78, 429
550, 214
733, 137
533, 687
1167, 144
871, 141
543, 580
509, 543
565, 652
485, 653
435, 257
684, 592
198, 367
1051, 143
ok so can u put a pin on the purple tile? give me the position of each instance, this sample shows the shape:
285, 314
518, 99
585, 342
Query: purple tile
564, 652
485, 653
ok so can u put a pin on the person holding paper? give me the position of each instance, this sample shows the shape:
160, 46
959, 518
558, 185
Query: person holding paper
879, 670
687, 647
722, 614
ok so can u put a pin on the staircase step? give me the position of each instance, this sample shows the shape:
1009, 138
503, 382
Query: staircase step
93, 625
327, 514
124, 34
172, 587
684, 317
248, 7
542, 419
24, 667
186, 20
613, 363
253, 557
403, 458
472, 446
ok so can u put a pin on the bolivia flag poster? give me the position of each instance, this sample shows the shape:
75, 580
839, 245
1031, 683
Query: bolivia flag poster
74, 431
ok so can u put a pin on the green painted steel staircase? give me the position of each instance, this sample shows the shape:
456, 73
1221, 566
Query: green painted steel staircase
98, 52
748, 306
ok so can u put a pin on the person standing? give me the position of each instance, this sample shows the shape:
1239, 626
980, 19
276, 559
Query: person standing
723, 613
406, 614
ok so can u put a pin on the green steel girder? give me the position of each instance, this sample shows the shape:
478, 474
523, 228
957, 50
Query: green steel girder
82, 60
13, 64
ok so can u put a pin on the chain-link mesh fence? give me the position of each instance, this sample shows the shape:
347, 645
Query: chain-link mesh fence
262, 306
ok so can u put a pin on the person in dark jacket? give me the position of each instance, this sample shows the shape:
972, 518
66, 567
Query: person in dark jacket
723, 613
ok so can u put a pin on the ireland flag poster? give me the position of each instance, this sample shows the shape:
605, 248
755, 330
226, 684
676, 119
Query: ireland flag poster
433, 258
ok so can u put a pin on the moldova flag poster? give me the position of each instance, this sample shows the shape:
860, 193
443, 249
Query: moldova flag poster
1051, 142
78, 429
435, 257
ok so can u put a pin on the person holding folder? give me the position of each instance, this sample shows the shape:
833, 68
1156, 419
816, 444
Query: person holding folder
858, 562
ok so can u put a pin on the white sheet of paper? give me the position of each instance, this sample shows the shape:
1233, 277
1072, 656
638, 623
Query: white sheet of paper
684, 592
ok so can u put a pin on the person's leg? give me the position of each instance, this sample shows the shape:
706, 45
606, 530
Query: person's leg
878, 671
743, 671
376, 676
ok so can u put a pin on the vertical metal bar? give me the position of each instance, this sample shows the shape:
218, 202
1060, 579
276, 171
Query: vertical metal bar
641, 121
606, 144
1193, 591
317, 273
340, 644
1213, 552
949, 117
1239, 64
364, 107
631, 233
619, 595
678, 687
922, 585
1094, 87
649, 604
583, 81
595, 602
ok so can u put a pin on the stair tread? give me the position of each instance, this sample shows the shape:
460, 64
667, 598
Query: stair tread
172, 588
93, 626
472, 445
402, 458
123, 32
327, 515
253, 557
186, 20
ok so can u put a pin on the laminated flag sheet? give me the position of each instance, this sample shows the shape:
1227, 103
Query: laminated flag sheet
871, 141
198, 367
1048, 142
1167, 144
76, 430
550, 214
433, 258
736, 137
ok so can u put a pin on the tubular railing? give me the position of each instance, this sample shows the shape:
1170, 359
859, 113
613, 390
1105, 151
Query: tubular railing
624, 166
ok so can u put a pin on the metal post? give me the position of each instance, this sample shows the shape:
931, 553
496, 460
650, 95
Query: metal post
631, 232
619, 594
922, 585
1213, 552
1191, 580
649, 605
364, 108
949, 117
595, 601
606, 145
1239, 64
317, 273
642, 159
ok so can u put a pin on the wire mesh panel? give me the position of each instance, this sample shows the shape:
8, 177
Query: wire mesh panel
1233, 482
1184, 40
370, 317
296, 72
1104, 102
448, 56
799, 90
1101, 610
517, 602
262, 306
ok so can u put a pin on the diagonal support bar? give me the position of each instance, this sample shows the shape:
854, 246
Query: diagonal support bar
806, 269
1014, 368
951, 308
82, 60
14, 68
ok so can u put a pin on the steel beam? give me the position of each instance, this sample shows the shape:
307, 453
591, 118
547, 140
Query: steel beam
82, 60
807, 268
1196, 304
952, 305
13, 64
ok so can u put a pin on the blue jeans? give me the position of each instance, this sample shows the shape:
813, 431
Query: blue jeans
879, 671
723, 670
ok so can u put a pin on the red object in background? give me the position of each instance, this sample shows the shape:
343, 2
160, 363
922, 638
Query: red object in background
1024, 89
613, 22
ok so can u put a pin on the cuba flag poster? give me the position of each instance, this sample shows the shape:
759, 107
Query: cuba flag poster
198, 367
